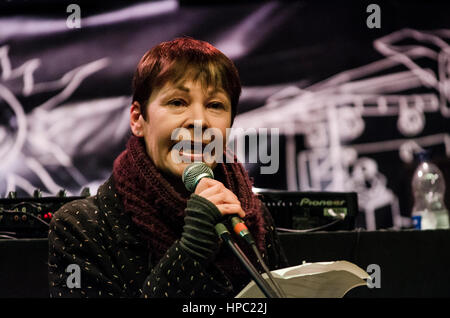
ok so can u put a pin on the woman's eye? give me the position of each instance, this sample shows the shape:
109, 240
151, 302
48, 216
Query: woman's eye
176, 102
216, 105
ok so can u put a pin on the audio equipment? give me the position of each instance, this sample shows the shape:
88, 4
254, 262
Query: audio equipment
29, 217
308, 211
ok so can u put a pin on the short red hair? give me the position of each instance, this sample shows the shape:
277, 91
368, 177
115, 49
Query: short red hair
173, 60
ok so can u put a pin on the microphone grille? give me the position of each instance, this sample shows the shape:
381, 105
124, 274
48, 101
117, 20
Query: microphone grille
193, 173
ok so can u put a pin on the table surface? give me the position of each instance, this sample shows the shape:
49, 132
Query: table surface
412, 263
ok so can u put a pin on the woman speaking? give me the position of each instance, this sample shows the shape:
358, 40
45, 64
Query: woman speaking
143, 234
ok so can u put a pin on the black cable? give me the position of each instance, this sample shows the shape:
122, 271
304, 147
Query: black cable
8, 237
29, 214
223, 233
309, 230
39, 219
356, 246
242, 230
8, 233
278, 288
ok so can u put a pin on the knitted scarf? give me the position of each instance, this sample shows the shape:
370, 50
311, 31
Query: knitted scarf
158, 209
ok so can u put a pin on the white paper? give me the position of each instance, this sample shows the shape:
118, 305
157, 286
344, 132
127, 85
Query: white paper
313, 280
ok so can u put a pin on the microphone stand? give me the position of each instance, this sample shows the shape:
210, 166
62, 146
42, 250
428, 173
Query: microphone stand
225, 235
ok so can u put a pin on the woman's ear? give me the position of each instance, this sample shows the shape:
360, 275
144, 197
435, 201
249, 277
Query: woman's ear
136, 119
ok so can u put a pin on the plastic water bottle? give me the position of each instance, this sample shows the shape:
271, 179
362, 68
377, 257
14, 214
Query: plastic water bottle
428, 185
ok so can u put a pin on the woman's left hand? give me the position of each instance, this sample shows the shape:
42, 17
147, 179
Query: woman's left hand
225, 200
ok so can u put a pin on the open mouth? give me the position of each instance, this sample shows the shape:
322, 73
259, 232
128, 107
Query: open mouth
189, 151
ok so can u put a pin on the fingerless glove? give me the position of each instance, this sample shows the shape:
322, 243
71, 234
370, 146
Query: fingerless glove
199, 237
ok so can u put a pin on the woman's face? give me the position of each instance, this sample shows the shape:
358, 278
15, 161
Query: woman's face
178, 106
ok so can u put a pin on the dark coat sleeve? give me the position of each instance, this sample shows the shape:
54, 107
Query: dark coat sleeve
79, 236
76, 237
178, 274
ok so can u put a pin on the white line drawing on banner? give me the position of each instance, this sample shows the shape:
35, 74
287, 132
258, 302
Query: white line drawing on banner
330, 114
39, 128
239, 40
11, 27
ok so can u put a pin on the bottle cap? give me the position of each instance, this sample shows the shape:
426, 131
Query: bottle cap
423, 155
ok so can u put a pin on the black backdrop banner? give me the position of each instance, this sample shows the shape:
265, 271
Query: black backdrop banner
352, 103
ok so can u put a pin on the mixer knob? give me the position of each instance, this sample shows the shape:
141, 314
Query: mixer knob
37, 193
85, 192
12, 195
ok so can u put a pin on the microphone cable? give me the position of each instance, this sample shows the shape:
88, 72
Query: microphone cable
241, 229
225, 235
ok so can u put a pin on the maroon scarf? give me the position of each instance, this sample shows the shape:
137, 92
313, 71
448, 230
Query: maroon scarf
158, 209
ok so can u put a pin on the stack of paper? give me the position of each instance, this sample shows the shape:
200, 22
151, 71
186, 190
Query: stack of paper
313, 280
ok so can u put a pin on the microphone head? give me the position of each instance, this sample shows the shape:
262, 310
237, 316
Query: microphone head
193, 173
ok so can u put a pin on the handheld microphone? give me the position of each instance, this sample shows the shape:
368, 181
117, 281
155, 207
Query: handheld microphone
193, 173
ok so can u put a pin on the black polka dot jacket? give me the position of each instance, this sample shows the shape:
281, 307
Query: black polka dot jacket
111, 260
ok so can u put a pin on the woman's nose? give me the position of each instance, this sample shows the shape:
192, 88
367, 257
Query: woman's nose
197, 117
